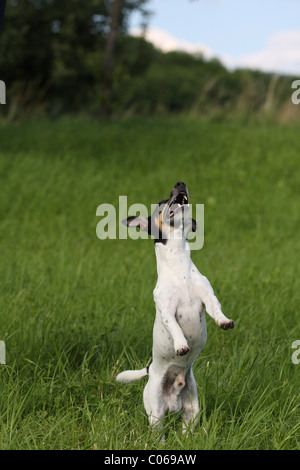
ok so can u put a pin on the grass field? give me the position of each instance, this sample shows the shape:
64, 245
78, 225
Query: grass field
75, 311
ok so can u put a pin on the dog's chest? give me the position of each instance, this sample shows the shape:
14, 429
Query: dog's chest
190, 312
188, 309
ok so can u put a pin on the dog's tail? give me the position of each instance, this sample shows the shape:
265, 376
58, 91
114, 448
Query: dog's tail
131, 375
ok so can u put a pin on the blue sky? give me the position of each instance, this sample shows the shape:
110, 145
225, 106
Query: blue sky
262, 34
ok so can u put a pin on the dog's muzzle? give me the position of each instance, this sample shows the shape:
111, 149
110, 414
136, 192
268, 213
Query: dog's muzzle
179, 198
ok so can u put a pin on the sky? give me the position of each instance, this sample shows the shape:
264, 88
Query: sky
259, 34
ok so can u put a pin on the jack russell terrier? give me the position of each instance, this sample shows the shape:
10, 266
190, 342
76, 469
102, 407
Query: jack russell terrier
181, 296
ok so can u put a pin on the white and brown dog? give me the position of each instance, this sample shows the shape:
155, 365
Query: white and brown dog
181, 296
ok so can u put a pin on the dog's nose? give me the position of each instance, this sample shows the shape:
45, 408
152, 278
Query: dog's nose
179, 188
180, 183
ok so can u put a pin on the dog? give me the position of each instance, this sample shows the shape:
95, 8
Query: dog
182, 295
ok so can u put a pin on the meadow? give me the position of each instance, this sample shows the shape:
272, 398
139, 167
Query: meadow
76, 310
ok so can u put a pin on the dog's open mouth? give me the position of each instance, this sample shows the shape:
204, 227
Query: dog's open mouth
180, 201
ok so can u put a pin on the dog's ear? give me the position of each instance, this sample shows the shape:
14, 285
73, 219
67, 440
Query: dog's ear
194, 225
137, 221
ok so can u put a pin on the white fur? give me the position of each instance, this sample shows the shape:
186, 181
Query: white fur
181, 297
131, 375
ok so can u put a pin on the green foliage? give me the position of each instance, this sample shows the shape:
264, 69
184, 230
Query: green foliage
52, 52
75, 310
177, 82
52, 58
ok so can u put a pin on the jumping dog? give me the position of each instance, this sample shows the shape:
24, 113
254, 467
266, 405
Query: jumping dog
181, 296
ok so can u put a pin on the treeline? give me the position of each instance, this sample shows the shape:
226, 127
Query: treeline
54, 60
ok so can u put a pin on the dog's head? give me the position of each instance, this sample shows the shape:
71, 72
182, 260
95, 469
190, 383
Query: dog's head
171, 218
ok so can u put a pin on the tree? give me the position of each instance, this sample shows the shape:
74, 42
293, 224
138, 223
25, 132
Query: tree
120, 11
109, 56
2, 10
60, 53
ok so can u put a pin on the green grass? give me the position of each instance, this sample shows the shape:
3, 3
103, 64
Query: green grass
74, 310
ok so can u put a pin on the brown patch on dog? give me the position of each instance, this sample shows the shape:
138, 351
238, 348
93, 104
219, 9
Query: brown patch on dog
173, 380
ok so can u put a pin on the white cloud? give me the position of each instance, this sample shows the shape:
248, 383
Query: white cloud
281, 53
166, 42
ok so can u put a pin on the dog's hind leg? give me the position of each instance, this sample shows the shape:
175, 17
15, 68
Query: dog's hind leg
154, 404
190, 403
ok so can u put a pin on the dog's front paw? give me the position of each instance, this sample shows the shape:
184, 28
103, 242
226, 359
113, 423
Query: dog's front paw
227, 325
182, 351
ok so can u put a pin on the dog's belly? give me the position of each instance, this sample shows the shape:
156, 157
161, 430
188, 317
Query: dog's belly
191, 318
